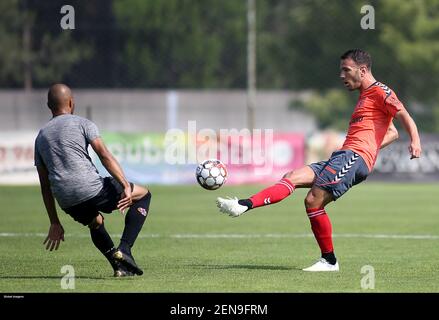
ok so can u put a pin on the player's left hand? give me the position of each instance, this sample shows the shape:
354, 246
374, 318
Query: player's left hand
415, 150
126, 200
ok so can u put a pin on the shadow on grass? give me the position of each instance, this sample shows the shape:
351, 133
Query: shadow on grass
245, 266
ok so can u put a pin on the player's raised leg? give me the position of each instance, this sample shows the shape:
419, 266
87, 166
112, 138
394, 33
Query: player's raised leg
134, 221
300, 178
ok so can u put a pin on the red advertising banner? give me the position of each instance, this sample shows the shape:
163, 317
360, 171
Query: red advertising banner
147, 158
264, 159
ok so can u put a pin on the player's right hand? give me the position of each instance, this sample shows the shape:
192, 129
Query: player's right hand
415, 150
126, 199
56, 234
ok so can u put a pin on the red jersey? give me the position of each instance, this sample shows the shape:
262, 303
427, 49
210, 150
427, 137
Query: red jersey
375, 109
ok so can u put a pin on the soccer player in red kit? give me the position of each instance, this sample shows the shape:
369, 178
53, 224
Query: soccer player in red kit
370, 129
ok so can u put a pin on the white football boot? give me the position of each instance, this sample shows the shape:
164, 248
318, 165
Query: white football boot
322, 265
230, 206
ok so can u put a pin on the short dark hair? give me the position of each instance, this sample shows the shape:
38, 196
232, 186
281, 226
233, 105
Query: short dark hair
359, 56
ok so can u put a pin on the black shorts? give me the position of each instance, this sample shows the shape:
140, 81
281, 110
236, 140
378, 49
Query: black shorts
105, 201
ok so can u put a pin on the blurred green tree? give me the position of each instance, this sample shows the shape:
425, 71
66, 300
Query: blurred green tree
404, 47
332, 108
10, 54
202, 44
410, 39
31, 56
183, 43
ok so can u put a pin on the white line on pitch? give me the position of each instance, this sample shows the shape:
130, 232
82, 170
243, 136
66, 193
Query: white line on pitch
239, 236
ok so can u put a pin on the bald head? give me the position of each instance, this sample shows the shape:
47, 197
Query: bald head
59, 99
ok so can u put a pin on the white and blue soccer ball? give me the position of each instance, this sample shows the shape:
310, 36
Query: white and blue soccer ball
211, 174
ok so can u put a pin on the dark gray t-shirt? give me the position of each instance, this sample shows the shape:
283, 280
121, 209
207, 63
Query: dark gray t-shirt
61, 146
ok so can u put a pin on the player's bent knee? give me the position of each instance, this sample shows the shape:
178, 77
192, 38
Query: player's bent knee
139, 192
317, 200
310, 201
145, 191
306, 202
96, 222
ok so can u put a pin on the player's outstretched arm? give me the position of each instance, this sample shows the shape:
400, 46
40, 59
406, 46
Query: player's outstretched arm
114, 168
56, 230
391, 135
410, 126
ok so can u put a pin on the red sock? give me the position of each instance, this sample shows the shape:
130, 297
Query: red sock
273, 194
322, 229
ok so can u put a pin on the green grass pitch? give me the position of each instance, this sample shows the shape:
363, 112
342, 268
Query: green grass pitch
186, 245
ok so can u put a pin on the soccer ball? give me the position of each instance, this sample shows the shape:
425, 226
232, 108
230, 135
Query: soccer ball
211, 174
